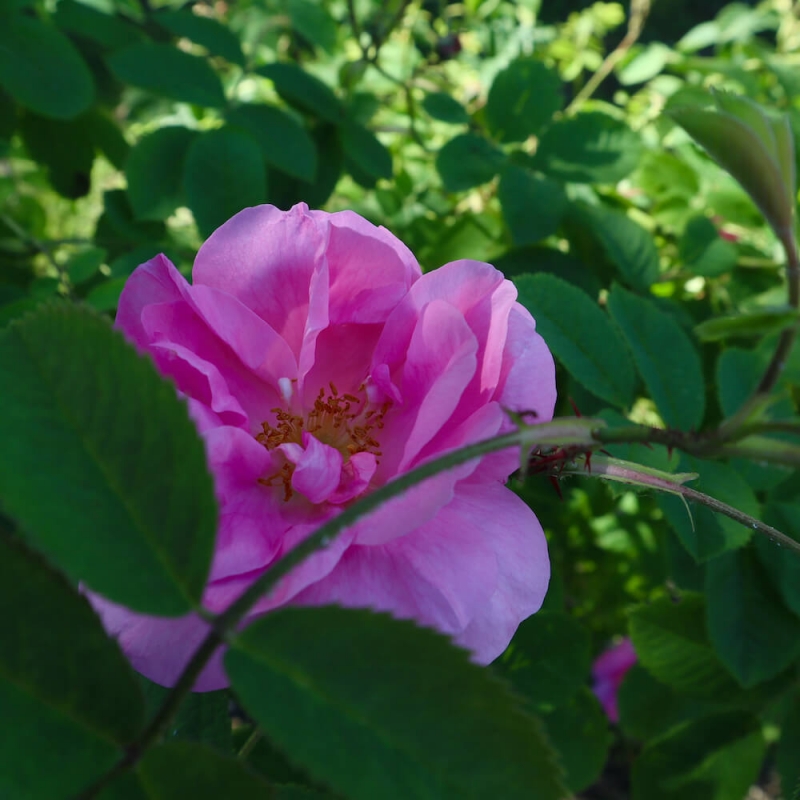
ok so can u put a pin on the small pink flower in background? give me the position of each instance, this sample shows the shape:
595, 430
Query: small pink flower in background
319, 363
608, 671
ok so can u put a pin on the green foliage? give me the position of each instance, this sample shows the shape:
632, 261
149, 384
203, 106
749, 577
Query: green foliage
471, 131
399, 711
94, 434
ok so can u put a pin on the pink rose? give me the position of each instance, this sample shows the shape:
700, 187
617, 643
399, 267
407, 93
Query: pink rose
608, 671
319, 363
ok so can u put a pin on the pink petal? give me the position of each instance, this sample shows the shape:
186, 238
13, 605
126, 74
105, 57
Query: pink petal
523, 568
318, 467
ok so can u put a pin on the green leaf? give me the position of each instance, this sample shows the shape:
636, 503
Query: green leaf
106, 136
68, 695
548, 658
223, 173
782, 566
588, 148
154, 171
304, 91
757, 323
41, 69
313, 22
672, 644
524, 260
365, 149
532, 205
522, 100
787, 761
703, 533
445, 108
745, 145
468, 161
81, 413
188, 769
717, 757
218, 39
704, 251
64, 148
285, 144
665, 357
581, 335
105, 296
377, 707
85, 264
628, 246
110, 30
167, 71
579, 732
753, 632
203, 717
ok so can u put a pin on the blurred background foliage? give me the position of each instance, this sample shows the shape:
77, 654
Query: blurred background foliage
533, 137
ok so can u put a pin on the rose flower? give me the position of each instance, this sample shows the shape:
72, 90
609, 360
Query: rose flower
318, 363
608, 671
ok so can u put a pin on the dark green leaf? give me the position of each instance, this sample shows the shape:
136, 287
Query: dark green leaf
202, 717
155, 172
548, 659
106, 137
42, 70
191, 770
522, 260
362, 147
266, 759
703, 533
223, 173
218, 39
468, 161
753, 632
628, 246
665, 357
109, 30
445, 108
522, 100
787, 759
64, 148
581, 335
82, 411
85, 264
704, 251
167, 71
532, 205
284, 142
302, 90
67, 693
589, 148
313, 22
713, 758
782, 566
579, 732
118, 224
377, 707
672, 643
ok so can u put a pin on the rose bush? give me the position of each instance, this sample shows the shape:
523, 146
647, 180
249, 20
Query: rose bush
319, 362
609, 670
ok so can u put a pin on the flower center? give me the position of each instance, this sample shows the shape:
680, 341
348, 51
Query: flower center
347, 422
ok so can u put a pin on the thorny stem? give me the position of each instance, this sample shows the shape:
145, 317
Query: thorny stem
639, 11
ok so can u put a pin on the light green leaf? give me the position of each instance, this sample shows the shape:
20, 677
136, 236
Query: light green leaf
83, 415
377, 707
313, 22
445, 108
757, 323
217, 38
